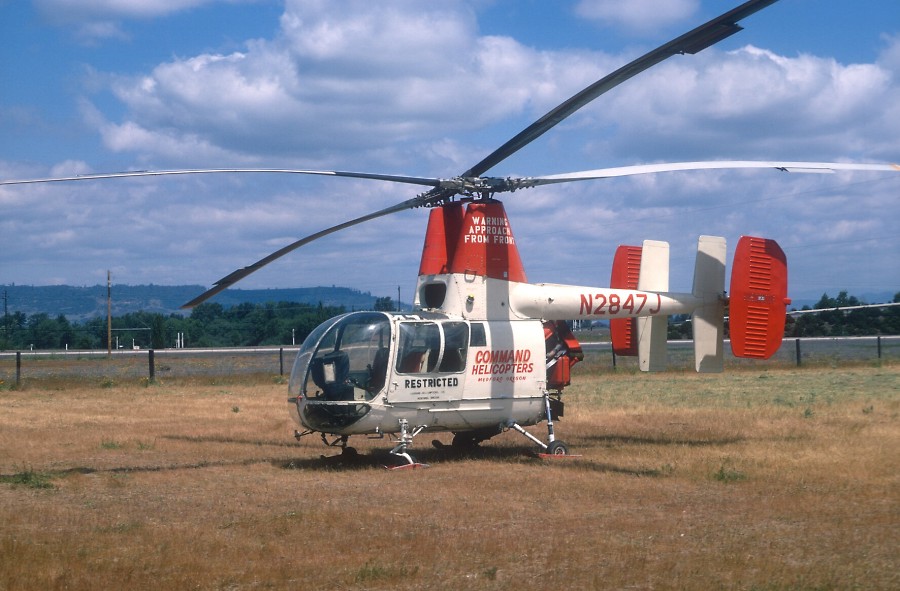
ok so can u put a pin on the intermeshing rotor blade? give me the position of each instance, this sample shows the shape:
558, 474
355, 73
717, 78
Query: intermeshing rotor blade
236, 276
605, 173
691, 42
413, 180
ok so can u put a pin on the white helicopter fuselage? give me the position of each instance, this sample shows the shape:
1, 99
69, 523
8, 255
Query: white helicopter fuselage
367, 371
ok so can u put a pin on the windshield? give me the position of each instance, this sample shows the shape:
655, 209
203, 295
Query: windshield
345, 359
301, 363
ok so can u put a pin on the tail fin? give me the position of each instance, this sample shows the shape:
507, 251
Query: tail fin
653, 330
708, 320
626, 271
758, 298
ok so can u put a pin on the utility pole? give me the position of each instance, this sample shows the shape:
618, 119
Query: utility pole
108, 315
5, 314
398, 298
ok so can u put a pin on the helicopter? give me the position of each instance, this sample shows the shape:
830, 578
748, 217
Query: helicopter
484, 351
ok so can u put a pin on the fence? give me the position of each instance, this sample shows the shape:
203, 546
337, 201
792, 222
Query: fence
124, 365
793, 352
17, 366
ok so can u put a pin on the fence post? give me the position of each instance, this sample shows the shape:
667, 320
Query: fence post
281, 361
152, 363
18, 369
797, 347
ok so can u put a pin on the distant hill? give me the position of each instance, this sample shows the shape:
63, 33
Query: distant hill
81, 303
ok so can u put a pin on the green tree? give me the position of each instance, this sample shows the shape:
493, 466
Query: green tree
385, 304
158, 331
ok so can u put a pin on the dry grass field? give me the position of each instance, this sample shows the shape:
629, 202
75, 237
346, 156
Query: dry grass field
754, 479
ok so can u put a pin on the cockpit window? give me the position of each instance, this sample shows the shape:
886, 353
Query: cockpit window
420, 347
423, 350
456, 344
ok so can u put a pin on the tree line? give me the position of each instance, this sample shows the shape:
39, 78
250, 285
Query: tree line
286, 323
208, 325
828, 323
838, 323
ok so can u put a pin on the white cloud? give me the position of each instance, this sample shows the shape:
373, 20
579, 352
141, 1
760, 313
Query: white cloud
351, 87
755, 103
86, 10
355, 80
328, 81
890, 55
95, 21
417, 88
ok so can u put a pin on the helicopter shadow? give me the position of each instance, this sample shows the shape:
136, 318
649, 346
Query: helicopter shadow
424, 457
615, 440
379, 459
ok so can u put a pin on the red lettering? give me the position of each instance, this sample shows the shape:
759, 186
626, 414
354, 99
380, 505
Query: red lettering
614, 302
643, 297
587, 302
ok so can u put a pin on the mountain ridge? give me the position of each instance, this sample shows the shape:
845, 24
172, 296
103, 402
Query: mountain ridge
85, 302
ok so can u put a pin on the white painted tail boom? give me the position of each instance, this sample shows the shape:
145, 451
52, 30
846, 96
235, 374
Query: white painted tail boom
638, 309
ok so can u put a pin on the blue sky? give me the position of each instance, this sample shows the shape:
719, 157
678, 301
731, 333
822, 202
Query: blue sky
429, 88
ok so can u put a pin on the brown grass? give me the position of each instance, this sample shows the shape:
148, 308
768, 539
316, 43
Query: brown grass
763, 480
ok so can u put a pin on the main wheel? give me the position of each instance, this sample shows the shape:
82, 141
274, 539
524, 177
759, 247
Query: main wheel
558, 448
465, 440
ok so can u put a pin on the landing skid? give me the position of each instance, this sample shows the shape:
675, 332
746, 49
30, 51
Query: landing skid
412, 466
401, 450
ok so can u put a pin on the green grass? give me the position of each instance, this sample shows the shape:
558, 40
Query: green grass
28, 479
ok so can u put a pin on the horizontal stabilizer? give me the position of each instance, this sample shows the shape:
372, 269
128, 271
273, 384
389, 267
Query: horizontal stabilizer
758, 298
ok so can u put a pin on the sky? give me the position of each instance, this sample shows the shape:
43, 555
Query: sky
428, 89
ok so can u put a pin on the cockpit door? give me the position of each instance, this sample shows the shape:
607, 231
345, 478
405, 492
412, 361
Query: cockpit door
431, 361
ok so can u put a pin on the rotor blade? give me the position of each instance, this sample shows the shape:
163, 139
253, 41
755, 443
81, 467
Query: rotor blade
413, 180
236, 276
605, 173
841, 309
691, 42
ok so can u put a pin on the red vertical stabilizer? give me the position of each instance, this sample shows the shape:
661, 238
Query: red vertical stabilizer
758, 298
626, 270
441, 238
486, 244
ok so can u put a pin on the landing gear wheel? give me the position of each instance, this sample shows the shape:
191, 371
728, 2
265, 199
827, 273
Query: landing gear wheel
557, 448
465, 441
